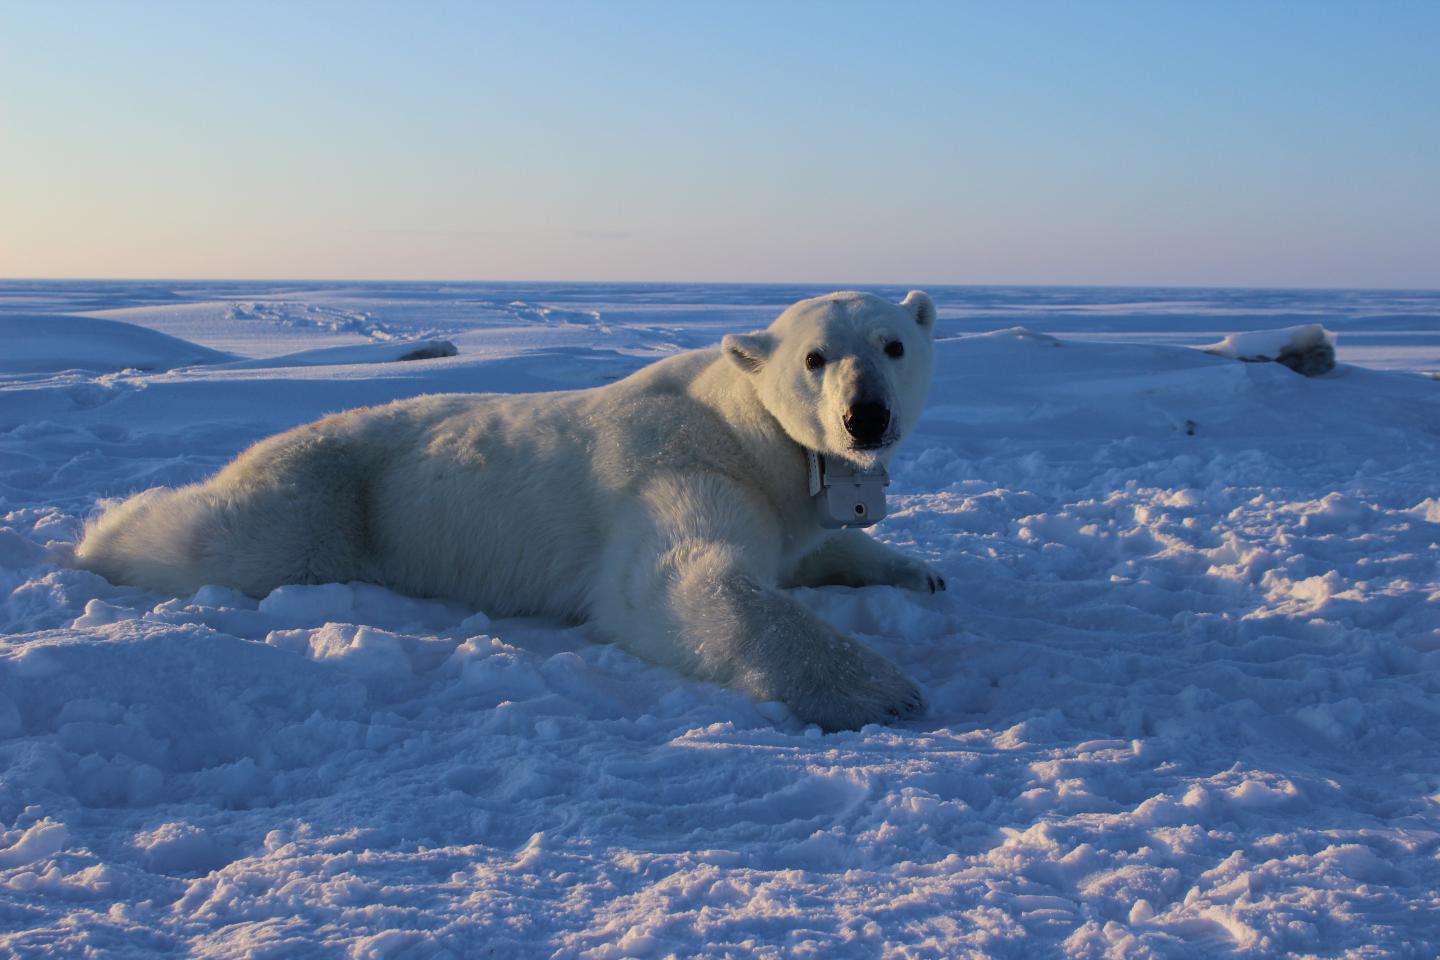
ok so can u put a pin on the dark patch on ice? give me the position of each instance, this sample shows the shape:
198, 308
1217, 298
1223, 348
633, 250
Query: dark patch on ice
1312, 361
432, 350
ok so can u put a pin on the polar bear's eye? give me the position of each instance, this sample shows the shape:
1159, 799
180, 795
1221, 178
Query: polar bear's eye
814, 360
895, 349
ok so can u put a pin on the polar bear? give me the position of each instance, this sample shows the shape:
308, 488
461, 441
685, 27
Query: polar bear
669, 509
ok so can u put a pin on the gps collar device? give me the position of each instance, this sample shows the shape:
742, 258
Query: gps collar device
846, 495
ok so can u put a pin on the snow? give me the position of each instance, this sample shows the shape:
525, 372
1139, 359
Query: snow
1183, 686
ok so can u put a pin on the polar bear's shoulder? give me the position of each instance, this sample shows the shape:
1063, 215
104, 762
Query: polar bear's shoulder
671, 376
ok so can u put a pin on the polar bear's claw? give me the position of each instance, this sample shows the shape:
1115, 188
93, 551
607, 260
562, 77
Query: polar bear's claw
913, 706
913, 575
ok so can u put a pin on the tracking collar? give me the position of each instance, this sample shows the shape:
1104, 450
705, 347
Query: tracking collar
844, 494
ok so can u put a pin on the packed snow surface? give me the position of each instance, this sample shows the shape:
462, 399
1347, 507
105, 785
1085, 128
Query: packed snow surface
1184, 688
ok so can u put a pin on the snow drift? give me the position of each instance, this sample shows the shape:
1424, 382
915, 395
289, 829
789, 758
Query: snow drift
50, 344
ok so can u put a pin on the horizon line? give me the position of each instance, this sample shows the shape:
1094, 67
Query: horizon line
729, 283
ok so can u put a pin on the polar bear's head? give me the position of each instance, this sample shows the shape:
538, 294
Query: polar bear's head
845, 374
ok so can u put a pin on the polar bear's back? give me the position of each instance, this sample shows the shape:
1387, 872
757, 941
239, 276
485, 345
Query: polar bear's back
488, 499
507, 501
503, 501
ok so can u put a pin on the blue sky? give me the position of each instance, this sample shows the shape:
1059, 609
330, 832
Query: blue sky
1270, 144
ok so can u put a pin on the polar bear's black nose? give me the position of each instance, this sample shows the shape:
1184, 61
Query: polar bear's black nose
866, 422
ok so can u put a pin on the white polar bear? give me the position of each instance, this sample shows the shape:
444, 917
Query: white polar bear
667, 508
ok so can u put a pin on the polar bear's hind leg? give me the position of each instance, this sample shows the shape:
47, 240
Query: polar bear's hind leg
292, 509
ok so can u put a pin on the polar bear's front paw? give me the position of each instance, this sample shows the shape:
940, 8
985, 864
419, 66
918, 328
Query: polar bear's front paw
869, 690
913, 575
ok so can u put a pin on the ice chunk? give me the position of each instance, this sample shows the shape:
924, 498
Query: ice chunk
39, 841
310, 604
178, 848
1308, 349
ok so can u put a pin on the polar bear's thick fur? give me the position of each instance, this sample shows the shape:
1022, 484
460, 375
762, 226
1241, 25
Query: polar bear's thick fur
668, 508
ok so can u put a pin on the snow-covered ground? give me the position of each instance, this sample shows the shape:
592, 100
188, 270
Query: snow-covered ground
1185, 686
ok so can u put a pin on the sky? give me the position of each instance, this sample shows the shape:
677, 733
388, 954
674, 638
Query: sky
1147, 143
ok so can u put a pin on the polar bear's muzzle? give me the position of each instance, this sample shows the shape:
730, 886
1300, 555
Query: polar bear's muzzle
865, 411
867, 422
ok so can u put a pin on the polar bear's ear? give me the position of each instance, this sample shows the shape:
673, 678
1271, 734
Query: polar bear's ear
748, 351
922, 308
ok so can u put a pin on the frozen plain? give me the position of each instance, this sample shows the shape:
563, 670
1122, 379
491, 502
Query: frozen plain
1183, 687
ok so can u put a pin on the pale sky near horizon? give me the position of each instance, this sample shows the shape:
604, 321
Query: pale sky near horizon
1214, 144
